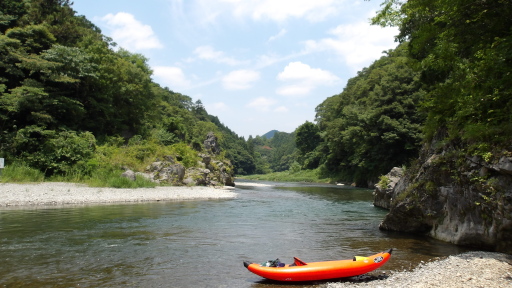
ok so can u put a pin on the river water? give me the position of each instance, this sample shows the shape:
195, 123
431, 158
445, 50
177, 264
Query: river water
200, 243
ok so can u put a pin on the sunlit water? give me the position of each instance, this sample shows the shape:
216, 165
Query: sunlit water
199, 243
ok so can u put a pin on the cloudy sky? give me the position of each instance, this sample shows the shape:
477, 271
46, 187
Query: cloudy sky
258, 65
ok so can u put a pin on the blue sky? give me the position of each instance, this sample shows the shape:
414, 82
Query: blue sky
258, 65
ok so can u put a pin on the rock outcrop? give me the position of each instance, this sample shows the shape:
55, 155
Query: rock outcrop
211, 145
456, 198
385, 189
209, 171
166, 171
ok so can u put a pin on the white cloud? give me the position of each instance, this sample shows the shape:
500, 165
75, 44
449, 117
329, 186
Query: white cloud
217, 107
357, 44
278, 35
261, 103
281, 10
268, 60
172, 77
240, 79
303, 79
129, 33
281, 109
208, 53
207, 13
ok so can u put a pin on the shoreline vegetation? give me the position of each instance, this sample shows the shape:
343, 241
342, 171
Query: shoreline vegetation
308, 176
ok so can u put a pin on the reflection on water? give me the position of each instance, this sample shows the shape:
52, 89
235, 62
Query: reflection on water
199, 243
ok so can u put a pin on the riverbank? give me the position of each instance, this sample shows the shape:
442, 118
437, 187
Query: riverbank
471, 269
307, 176
61, 193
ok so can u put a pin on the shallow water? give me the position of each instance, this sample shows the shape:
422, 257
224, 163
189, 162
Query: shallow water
200, 243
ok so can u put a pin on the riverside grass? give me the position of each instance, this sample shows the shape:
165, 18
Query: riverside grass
19, 172
104, 167
308, 176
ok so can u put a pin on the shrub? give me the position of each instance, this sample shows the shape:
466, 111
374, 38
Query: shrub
384, 182
52, 151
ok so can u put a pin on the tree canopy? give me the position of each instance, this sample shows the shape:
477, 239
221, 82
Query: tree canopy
66, 87
374, 124
465, 57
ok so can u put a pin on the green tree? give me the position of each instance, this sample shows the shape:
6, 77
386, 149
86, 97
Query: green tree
308, 142
62, 81
465, 54
283, 151
374, 124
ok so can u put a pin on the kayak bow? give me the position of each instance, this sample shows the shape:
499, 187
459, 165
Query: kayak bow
302, 271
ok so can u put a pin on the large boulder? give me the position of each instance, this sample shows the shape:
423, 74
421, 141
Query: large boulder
385, 189
212, 173
456, 198
166, 171
211, 145
197, 176
129, 174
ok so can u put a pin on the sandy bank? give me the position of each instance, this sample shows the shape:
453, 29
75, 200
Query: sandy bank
58, 193
467, 270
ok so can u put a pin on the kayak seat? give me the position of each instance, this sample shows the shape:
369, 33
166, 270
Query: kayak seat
298, 262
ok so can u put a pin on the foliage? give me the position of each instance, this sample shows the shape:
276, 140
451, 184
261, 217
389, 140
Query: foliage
309, 144
111, 177
52, 151
383, 182
65, 90
185, 155
283, 151
465, 54
239, 152
20, 172
374, 124
308, 137
292, 175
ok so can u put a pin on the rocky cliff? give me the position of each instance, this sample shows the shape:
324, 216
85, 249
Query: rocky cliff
453, 196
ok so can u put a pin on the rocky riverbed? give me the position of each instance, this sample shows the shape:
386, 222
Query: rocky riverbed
467, 270
59, 194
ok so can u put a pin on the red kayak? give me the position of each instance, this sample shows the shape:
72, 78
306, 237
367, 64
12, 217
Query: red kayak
302, 271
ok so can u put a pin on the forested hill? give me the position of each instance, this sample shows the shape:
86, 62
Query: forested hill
447, 84
69, 100
270, 134
460, 188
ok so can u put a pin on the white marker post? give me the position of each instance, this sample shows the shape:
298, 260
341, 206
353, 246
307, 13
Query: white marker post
1, 165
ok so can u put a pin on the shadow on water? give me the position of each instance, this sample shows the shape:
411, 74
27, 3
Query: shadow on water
200, 243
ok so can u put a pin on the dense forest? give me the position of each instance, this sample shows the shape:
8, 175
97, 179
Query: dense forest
71, 102
449, 79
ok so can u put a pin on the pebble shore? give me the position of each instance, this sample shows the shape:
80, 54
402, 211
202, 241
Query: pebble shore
61, 194
467, 270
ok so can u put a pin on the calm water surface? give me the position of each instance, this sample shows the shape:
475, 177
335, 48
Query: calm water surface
199, 243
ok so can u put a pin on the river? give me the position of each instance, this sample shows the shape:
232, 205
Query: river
200, 243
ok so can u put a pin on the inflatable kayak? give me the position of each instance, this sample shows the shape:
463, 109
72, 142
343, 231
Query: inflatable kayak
302, 271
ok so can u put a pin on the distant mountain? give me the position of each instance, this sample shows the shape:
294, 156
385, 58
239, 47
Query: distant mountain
270, 134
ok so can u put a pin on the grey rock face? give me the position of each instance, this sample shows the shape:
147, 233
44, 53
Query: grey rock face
384, 195
454, 198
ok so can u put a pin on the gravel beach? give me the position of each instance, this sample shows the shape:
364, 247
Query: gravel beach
467, 270
59, 194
